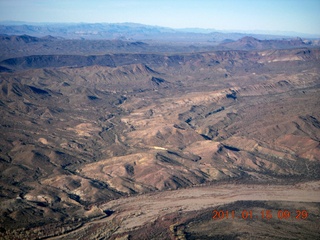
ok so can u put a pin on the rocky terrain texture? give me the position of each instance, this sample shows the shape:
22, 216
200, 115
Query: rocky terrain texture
80, 132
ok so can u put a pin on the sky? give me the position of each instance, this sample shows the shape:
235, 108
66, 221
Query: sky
301, 16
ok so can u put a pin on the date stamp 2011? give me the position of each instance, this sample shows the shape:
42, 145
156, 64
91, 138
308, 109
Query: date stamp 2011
264, 214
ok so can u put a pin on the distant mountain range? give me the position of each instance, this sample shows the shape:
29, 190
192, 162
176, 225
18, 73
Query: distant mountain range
129, 31
250, 43
15, 46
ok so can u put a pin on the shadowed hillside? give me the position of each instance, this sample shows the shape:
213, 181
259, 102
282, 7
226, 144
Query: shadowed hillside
78, 131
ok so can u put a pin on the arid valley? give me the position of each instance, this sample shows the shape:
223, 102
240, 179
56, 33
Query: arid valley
121, 139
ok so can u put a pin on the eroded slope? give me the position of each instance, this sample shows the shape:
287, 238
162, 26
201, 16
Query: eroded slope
72, 137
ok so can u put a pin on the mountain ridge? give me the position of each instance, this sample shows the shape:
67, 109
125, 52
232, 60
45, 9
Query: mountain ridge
127, 31
157, 59
249, 42
88, 126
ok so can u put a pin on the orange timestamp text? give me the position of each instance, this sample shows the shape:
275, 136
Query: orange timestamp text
264, 214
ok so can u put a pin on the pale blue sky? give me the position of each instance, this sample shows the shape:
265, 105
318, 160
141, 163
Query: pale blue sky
282, 15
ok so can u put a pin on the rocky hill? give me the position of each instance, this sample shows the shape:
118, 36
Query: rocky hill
78, 131
248, 43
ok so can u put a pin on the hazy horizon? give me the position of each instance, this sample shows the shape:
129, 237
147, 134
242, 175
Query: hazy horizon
244, 15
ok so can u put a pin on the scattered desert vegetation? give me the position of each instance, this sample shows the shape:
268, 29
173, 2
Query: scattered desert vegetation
127, 141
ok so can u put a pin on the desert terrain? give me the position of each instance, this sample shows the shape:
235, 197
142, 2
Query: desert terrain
134, 140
